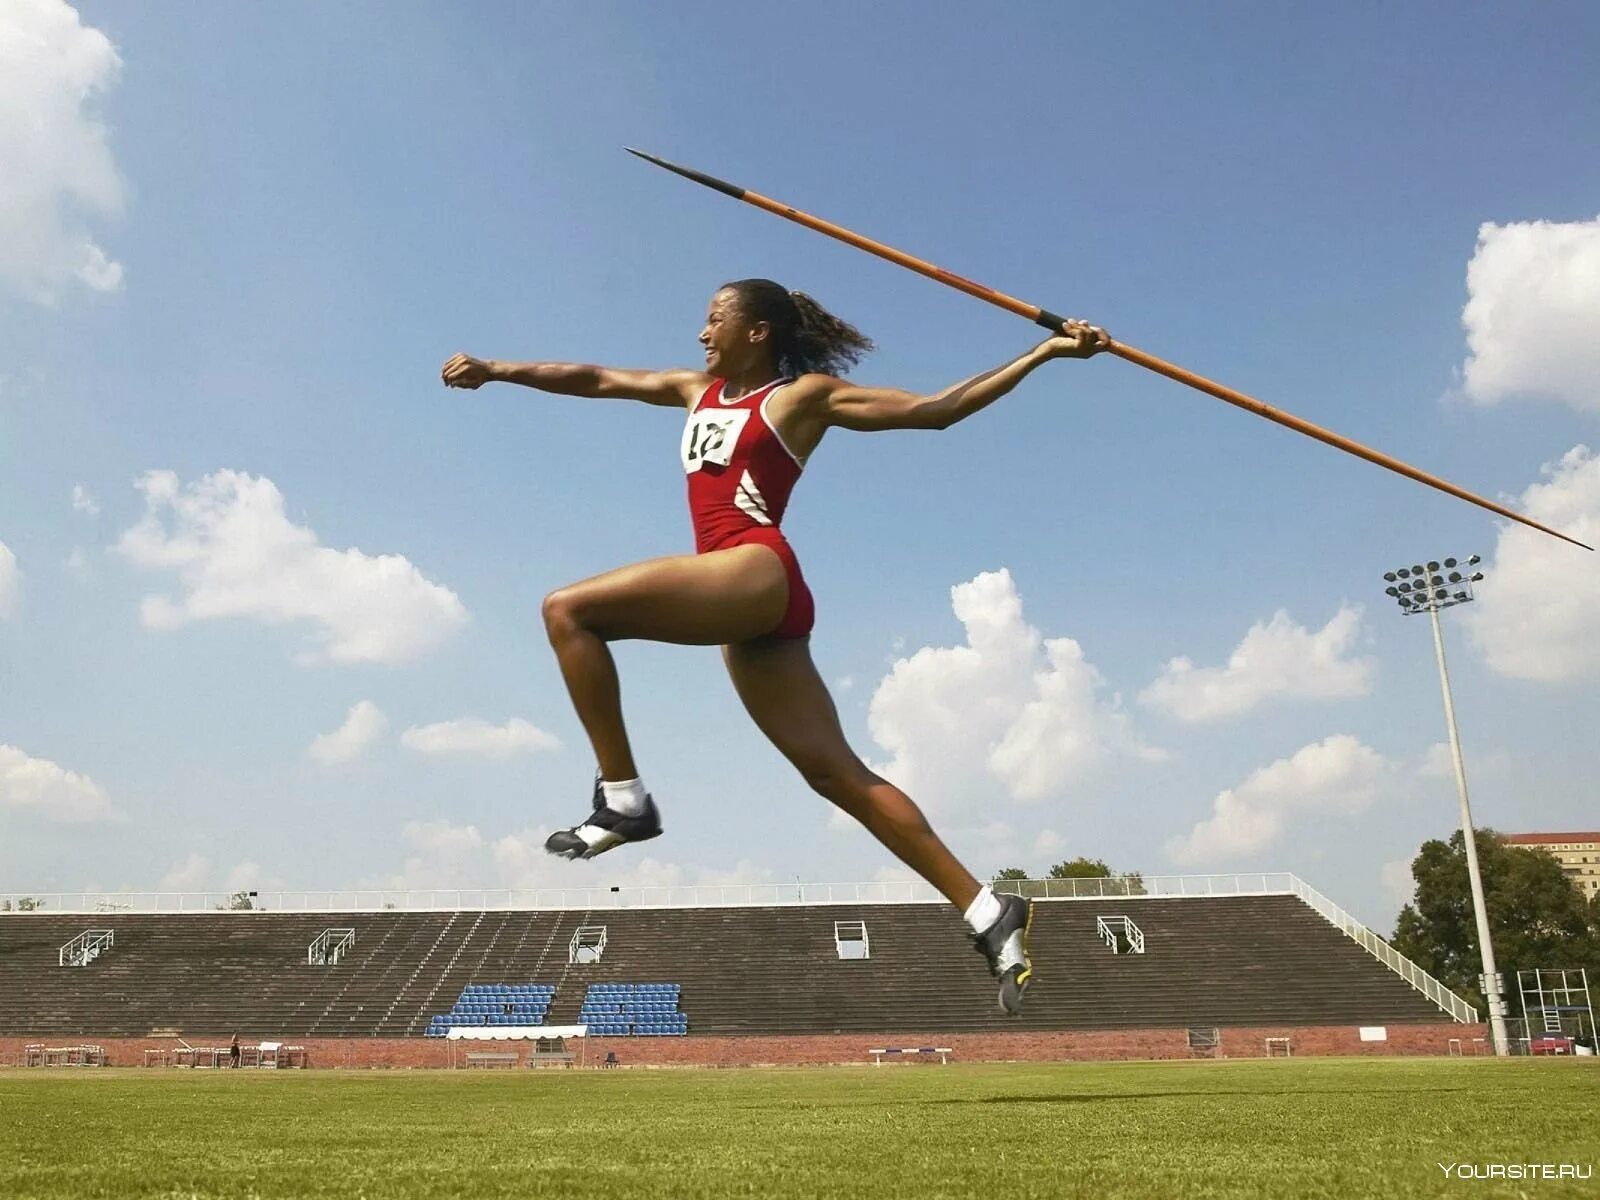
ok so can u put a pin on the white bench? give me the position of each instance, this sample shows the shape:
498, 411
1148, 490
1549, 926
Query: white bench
878, 1056
484, 1059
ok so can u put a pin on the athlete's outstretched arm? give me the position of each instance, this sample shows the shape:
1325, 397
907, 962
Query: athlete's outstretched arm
673, 389
851, 406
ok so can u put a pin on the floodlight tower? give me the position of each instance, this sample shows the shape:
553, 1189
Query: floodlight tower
1420, 588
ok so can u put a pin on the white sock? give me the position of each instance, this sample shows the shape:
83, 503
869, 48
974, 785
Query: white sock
984, 911
626, 797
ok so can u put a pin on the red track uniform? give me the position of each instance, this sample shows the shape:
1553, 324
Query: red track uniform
740, 476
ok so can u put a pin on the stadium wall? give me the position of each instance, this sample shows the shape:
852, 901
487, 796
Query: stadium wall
1058, 1046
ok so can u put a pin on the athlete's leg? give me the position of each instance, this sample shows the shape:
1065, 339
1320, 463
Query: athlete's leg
781, 689
700, 600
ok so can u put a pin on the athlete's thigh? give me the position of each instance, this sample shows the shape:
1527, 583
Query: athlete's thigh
785, 696
693, 599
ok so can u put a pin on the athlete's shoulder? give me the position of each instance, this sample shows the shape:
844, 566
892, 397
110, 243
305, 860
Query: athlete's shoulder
689, 383
812, 388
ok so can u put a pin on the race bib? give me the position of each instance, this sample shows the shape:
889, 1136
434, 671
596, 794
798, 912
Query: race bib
710, 435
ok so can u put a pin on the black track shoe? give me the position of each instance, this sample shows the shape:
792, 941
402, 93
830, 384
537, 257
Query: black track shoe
605, 829
1005, 945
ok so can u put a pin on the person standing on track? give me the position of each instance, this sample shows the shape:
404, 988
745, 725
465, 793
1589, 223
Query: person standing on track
769, 391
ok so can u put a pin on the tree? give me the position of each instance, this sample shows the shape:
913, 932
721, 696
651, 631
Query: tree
1131, 884
239, 902
1081, 868
1537, 919
22, 904
1010, 873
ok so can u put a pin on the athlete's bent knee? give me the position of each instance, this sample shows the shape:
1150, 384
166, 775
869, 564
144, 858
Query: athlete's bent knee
843, 783
561, 613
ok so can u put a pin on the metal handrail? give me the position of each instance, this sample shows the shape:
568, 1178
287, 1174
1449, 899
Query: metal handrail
86, 947
1381, 950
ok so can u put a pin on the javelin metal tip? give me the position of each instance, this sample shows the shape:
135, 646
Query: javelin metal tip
710, 181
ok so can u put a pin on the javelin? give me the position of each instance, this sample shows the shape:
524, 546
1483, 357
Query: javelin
1058, 324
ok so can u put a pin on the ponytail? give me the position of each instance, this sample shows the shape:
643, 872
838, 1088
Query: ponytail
806, 337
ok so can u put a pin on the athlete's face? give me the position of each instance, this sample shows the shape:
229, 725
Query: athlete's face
732, 342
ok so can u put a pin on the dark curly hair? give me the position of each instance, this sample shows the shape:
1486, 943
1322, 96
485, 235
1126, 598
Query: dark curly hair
805, 336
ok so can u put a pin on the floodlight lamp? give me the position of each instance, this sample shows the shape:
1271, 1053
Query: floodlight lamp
1476, 576
1433, 566
1404, 572
1455, 576
1436, 580
1416, 568
1390, 576
1474, 561
1405, 587
1449, 562
1391, 591
1461, 595
1440, 594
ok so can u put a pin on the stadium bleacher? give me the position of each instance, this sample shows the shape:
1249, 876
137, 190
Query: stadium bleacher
777, 969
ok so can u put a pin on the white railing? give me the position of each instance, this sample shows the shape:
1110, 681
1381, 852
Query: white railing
1254, 883
599, 898
329, 946
1374, 945
588, 944
1111, 929
850, 940
86, 947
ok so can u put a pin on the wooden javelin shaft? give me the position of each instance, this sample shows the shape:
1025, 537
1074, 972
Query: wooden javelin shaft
1056, 323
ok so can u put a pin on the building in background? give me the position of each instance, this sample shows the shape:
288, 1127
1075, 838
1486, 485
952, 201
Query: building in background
1578, 854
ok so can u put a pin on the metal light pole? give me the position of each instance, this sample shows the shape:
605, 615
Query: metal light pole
1427, 589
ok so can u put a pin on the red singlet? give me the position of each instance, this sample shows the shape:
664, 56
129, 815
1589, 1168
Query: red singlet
740, 476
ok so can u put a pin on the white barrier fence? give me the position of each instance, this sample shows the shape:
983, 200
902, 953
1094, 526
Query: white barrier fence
600, 898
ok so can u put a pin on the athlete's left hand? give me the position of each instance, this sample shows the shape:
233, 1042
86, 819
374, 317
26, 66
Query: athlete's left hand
1079, 339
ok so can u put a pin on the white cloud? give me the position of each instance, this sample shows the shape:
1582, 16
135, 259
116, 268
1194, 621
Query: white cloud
1048, 841
1537, 614
1276, 658
249, 876
10, 581
40, 786
442, 854
1532, 311
1336, 775
363, 725
470, 737
190, 874
77, 564
1394, 877
1009, 708
83, 502
1437, 763
194, 872
58, 165
236, 554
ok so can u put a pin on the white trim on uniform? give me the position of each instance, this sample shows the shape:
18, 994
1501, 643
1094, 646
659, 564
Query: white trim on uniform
766, 420
723, 391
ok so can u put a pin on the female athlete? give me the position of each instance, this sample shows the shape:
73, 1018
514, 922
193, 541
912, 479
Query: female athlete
769, 391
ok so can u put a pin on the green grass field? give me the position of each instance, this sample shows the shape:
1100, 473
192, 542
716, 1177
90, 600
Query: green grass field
1333, 1128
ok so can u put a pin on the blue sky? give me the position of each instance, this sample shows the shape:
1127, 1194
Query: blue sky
247, 238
